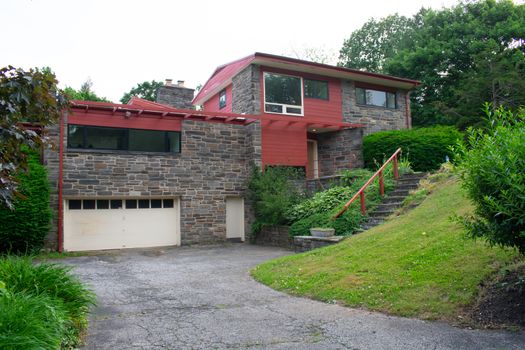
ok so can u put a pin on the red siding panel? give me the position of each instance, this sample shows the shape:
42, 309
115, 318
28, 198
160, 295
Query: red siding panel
118, 120
212, 105
283, 145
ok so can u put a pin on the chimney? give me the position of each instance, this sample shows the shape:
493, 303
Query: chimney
175, 95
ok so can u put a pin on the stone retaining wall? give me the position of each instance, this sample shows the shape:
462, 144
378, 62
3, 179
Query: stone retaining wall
275, 236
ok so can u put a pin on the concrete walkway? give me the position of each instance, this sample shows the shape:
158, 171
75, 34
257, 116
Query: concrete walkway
204, 298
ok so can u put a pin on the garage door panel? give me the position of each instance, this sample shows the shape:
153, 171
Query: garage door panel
121, 228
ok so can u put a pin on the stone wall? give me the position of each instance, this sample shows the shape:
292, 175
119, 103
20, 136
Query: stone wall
275, 236
175, 96
51, 164
211, 166
375, 118
246, 91
339, 150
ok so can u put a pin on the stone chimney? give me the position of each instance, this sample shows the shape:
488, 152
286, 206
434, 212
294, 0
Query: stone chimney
176, 96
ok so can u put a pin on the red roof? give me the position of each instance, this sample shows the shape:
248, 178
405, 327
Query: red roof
223, 74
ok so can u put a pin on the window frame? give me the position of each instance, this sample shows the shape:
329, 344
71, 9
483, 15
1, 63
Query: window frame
126, 140
366, 104
283, 105
223, 93
319, 81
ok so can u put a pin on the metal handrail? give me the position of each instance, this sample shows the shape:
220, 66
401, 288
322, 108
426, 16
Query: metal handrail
361, 192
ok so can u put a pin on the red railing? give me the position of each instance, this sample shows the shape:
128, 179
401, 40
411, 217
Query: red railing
361, 192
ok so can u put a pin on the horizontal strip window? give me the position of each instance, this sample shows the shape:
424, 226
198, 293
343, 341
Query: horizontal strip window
377, 98
108, 204
120, 139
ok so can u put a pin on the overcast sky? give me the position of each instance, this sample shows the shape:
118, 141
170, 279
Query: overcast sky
118, 44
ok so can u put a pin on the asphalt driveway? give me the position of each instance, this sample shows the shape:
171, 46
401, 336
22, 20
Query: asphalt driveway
204, 298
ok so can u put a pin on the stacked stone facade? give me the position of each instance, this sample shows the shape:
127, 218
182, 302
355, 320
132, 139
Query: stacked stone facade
374, 118
339, 150
246, 91
175, 96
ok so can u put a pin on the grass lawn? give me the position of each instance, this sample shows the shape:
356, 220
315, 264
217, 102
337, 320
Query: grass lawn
418, 264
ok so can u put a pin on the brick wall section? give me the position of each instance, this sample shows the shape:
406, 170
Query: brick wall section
375, 118
51, 163
246, 91
339, 150
275, 236
175, 96
211, 166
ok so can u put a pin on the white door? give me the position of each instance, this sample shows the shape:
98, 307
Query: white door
235, 218
95, 224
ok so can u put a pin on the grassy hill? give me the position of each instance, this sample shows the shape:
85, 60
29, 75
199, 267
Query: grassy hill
418, 264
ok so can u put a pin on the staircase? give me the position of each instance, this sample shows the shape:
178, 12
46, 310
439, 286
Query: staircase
393, 200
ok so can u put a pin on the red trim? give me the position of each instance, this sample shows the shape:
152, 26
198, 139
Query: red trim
60, 221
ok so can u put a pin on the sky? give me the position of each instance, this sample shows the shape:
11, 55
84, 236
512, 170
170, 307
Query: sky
118, 44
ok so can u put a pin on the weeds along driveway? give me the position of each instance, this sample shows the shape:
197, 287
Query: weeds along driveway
204, 298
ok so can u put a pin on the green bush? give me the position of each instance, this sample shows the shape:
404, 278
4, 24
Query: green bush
426, 148
272, 193
23, 230
53, 283
492, 168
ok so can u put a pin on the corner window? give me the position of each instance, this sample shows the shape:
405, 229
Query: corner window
120, 139
283, 94
378, 98
222, 99
316, 89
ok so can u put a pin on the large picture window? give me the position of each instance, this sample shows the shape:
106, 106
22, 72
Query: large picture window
120, 139
316, 89
375, 98
283, 94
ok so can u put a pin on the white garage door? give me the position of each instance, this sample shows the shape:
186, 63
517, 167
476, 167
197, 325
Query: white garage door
94, 224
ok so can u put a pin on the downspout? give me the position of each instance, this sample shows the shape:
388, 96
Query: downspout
408, 116
60, 220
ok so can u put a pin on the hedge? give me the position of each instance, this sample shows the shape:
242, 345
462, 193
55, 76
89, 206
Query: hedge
426, 148
24, 229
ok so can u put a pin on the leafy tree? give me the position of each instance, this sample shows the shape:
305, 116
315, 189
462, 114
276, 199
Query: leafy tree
85, 93
463, 55
25, 96
146, 90
377, 41
491, 164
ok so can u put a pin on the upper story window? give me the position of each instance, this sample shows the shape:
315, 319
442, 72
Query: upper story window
222, 99
316, 89
120, 139
283, 94
375, 98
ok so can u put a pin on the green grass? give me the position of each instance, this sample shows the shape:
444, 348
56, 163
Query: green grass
40, 296
417, 265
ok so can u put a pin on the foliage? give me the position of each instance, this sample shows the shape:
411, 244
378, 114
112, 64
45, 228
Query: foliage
85, 93
23, 229
146, 90
377, 41
492, 164
415, 265
25, 96
463, 55
272, 193
41, 287
319, 210
425, 148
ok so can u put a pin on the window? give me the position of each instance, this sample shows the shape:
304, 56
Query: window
222, 99
283, 94
375, 98
119, 139
102, 204
316, 89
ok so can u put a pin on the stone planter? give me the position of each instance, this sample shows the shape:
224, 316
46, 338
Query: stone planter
322, 232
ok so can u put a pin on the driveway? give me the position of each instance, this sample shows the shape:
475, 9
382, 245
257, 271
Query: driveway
204, 298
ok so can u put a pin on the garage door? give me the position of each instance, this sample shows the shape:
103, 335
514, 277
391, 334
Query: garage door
94, 224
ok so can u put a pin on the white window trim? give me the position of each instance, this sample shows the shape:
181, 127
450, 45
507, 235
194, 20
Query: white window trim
301, 107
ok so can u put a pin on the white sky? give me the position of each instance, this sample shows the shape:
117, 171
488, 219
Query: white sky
121, 43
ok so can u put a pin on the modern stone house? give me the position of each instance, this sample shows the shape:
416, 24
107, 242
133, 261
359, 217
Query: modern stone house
154, 174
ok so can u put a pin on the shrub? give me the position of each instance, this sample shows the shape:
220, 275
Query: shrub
426, 148
272, 194
492, 164
23, 229
63, 291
